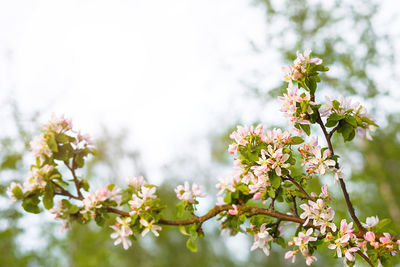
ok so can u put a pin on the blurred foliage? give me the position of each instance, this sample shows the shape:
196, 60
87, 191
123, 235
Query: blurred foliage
342, 33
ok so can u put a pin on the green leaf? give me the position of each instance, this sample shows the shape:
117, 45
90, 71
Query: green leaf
271, 192
311, 84
369, 121
182, 229
275, 181
79, 160
348, 132
191, 245
51, 142
17, 192
351, 120
335, 104
296, 140
304, 106
330, 123
62, 138
180, 209
306, 128
228, 198
48, 196
73, 209
31, 203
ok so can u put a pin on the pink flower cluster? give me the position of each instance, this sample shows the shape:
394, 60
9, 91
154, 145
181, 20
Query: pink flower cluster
94, 199
38, 177
122, 231
345, 241
321, 215
291, 106
183, 192
296, 71
57, 124
314, 159
302, 242
384, 242
342, 106
272, 159
262, 239
139, 199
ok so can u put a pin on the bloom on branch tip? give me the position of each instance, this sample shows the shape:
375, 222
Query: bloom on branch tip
150, 227
122, 232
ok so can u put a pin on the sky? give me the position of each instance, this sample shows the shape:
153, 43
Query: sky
169, 71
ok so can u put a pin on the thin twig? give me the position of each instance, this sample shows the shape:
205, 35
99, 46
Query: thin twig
290, 178
76, 181
342, 183
64, 192
365, 258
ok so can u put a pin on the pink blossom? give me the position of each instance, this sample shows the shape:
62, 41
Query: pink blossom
150, 227
136, 181
257, 196
233, 211
261, 239
122, 232
58, 124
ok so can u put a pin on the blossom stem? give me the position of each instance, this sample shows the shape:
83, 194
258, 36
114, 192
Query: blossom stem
365, 258
342, 183
290, 178
72, 169
64, 192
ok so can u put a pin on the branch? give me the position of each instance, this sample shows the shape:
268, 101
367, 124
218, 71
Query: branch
342, 184
250, 211
290, 178
72, 169
365, 258
63, 192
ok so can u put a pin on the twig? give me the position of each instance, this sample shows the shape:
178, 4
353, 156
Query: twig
64, 192
290, 178
342, 183
72, 169
365, 258
295, 206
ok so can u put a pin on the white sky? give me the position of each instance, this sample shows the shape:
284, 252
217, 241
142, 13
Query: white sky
167, 70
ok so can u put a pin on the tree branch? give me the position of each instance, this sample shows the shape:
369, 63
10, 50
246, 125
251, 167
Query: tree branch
72, 169
342, 183
290, 178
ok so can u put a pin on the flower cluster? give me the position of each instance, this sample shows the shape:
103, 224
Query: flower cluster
141, 199
183, 192
352, 113
321, 215
122, 231
262, 156
302, 241
297, 108
345, 241
317, 160
262, 239
300, 66
95, 200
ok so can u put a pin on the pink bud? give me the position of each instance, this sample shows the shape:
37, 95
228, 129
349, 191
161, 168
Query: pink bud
369, 236
257, 196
